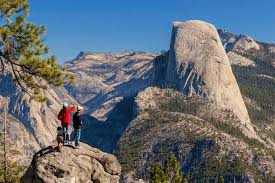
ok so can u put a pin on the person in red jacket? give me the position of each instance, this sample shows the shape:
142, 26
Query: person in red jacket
65, 117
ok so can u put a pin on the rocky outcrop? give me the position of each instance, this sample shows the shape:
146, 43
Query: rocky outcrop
198, 65
86, 164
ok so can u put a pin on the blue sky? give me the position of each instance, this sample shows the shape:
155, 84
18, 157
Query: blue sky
143, 25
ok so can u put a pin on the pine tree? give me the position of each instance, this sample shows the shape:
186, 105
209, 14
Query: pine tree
10, 171
158, 175
23, 54
172, 169
169, 173
221, 179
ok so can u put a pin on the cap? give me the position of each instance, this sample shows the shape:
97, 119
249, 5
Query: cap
79, 108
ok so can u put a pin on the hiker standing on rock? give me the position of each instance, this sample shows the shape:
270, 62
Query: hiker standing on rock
77, 124
65, 117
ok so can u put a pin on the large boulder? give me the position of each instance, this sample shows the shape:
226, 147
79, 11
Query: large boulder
198, 64
71, 165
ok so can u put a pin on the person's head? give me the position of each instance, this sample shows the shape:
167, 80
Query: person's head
79, 108
59, 128
65, 105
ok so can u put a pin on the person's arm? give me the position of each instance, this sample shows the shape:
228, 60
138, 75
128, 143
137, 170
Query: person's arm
71, 109
80, 121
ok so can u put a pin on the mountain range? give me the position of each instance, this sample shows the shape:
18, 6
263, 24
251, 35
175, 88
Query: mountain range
209, 99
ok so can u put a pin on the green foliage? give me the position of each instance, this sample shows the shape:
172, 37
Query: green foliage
173, 169
186, 105
23, 53
234, 131
13, 173
255, 86
10, 170
129, 155
221, 179
214, 170
182, 104
13, 170
158, 175
169, 173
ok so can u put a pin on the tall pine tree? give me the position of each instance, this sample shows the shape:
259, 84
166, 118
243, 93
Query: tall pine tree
168, 173
23, 54
10, 170
158, 175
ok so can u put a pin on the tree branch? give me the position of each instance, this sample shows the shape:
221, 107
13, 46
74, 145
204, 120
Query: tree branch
18, 80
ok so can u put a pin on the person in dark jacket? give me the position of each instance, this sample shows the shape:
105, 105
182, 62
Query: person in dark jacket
77, 124
64, 117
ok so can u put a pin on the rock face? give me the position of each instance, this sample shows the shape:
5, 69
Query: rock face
73, 166
198, 64
36, 122
236, 59
104, 79
248, 64
233, 42
19, 139
105, 83
245, 42
272, 50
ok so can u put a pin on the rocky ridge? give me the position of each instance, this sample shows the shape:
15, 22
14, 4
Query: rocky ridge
73, 166
205, 139
234, 42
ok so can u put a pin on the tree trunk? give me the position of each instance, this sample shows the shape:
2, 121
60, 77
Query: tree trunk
5, 143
